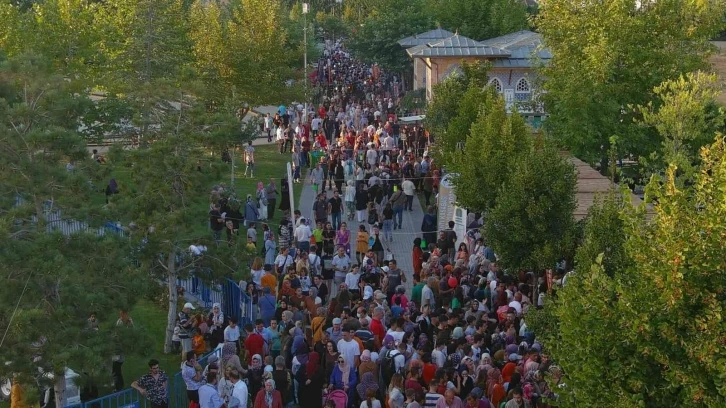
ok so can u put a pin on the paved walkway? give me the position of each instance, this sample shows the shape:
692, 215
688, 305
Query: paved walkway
402, 243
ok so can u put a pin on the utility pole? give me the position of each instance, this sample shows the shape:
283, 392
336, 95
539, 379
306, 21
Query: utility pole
305, 60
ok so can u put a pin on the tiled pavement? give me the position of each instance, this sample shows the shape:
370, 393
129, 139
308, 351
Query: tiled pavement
402, 243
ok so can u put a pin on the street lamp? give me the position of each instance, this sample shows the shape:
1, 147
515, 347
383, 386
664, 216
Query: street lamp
305, 10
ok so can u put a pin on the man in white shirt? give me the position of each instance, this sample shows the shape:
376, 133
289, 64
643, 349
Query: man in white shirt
250, 159
438, 356
371, 156
409, 190
231, 332
283, 261
239, 391
517, 303
341, 263
349, 348
302, 236
351, 280
388, 143
315, 124
427, 294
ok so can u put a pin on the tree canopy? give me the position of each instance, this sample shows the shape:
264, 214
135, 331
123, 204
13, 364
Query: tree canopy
51, 280
627, 336
610, 55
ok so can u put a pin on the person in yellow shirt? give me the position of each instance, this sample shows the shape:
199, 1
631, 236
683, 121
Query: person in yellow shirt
361, 243
198, 345
269, 280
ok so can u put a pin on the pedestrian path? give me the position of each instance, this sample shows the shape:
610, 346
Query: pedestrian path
402, 243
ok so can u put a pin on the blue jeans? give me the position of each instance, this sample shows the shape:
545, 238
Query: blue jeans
387, 226
336, 220
303, 246
397, 213
409, 202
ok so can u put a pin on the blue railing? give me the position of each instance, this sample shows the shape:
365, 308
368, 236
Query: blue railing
68, 226
236, 303
178, 389
206, 294
131, 398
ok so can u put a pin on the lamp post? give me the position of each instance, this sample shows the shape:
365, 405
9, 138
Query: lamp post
305, 9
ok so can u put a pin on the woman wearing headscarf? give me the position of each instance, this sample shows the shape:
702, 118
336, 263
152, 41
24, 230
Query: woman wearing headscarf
254, 375
268, 397
251, 212
216, 326
367, 382
508, 370
366, 364
343, 378
262, 200
495, 389
230, 358
310, 381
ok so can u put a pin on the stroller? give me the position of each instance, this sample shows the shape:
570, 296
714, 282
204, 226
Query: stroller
337, 398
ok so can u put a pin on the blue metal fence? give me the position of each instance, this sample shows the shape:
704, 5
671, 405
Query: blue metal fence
178, 389
131, 398
206, 294
68, 226
236, 303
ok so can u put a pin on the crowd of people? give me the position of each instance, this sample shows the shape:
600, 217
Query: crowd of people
330, 318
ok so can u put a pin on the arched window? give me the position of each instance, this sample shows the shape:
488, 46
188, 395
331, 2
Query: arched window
522, 86
496, 84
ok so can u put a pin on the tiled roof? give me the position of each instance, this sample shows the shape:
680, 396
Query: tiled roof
423, 38
457, 46
526, 47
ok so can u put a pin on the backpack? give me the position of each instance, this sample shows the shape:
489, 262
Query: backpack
373, 216
388, 366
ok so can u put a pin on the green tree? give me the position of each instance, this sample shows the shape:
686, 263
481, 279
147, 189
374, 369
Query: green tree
648, 335
243, 51
50, 280
496, 142
376, 39
477, 139
604, 233
480, 19
609, 55
685, 118
531, 223
455, 106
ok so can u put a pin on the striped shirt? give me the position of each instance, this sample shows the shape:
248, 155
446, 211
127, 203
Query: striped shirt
431, 399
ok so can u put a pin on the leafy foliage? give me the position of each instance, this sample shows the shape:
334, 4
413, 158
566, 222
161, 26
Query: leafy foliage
649, 335
604, 235
609, 55
480, 19
55, 281
376, 39
685, 117
495, 143
531, 223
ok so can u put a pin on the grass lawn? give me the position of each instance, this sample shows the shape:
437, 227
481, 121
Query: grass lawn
269, 164
152, 316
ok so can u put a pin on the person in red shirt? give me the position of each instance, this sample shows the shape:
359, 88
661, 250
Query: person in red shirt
417, 255
322, 141
379, 332
429, 369
414, 380
254, 344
